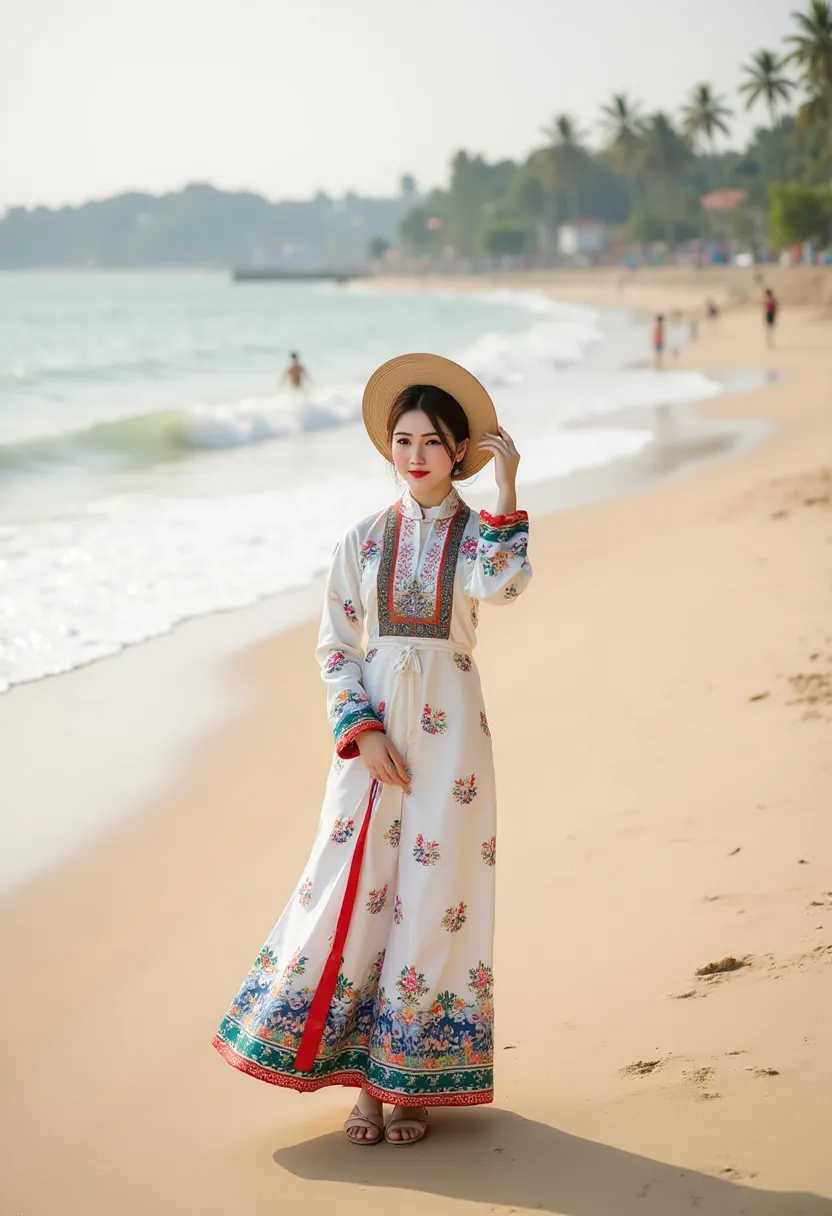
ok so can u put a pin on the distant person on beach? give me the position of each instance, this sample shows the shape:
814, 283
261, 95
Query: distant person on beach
658, 342
295, 373
769, 315
712, 310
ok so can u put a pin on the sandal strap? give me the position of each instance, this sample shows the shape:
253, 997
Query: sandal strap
357, 1118
418, 1119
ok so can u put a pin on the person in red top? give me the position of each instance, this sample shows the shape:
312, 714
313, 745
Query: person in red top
769, 315
658, 342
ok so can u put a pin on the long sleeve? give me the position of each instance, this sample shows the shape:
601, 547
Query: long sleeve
340, 653
501, 570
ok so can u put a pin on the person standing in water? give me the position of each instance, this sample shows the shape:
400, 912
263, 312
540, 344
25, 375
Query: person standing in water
295, 373
769, 315
379, 973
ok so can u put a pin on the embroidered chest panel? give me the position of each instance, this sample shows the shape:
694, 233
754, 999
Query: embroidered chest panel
416, 592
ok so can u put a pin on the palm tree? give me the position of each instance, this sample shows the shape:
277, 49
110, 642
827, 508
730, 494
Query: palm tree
812, 47
704, 115
623, 125
665, 154
766, 81
568, 160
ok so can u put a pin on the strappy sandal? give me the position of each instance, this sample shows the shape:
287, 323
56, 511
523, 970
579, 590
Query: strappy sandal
414, 1119
358, 1119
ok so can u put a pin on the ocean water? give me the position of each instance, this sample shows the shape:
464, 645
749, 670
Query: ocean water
152, 469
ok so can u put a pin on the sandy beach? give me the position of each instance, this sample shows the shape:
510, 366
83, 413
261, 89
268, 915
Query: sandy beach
661, 705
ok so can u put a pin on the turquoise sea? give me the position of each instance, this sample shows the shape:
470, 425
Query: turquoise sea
152, 469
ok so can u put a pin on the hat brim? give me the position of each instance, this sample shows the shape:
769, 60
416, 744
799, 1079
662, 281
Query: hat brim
391, 378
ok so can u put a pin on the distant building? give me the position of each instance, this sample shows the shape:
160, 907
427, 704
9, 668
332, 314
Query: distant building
583, 238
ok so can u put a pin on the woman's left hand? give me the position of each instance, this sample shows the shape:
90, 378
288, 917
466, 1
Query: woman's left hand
506, 457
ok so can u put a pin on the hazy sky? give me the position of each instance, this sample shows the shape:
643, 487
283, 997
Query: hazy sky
288, 96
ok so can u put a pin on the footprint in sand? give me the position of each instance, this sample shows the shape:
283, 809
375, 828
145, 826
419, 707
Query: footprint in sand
722, 967
699, 1078
642, 1068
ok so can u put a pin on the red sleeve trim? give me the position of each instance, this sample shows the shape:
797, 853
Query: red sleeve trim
504, 521
347, 747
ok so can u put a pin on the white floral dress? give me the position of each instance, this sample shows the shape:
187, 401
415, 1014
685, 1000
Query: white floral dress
379, 971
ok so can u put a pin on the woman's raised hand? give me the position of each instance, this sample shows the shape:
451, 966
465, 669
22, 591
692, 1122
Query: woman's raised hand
506, 460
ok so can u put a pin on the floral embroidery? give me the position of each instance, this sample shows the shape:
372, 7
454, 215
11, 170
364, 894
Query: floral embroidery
335, 661
411, 984
338, 763
488, 852
350, 714
442, 1047
295, 966
349, 612
377, 900
398, 915
345, 990
484, 727
503, 529
455, 918
417, 601
465, 789
305, 893
463, 661
369, 552
426, 852
342, 831
511, 592
345, 701
468, 548
481, 981
265, 960
412, 601
520, 547
434, 721
495, 563
370, 655
394, 835
382, 709
475, 613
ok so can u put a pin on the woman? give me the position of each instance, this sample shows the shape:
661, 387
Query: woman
378, 974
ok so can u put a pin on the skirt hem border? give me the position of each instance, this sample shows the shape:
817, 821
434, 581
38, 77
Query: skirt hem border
352, 1078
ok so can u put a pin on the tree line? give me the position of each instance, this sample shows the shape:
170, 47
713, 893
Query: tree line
201, 226
653, 169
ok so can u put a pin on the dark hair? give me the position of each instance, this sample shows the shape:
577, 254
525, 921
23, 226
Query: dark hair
659, 317
293, 354
440, 407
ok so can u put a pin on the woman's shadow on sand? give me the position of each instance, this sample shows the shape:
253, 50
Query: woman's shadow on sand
503, 1160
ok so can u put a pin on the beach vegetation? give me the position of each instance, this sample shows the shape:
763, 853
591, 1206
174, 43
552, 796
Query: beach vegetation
800, 213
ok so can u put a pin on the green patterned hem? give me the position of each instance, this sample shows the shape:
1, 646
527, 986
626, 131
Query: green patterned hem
353, 1066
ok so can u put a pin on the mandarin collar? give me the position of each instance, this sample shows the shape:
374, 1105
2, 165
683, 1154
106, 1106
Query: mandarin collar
410, 508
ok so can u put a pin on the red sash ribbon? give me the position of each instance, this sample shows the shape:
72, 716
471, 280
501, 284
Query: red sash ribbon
316, 1019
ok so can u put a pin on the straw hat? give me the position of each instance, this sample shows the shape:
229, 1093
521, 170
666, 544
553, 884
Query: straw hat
397, 374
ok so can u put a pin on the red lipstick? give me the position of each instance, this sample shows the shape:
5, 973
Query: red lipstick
417, 473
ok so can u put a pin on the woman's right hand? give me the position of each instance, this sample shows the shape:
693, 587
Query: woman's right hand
381, 759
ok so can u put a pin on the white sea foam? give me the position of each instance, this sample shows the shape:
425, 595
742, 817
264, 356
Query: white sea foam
275, 480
